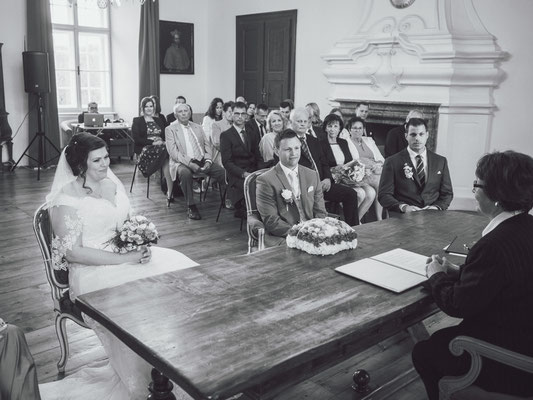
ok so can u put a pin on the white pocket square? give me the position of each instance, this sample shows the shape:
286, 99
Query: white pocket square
311, 188
439, 173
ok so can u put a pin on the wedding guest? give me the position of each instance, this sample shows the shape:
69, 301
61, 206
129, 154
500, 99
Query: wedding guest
337, 154
240, 99
240, 156
220, 126
315, 123
275, 125
213, 113
416, 178
157, 112
362, 110
148, 131
364, 149
190, 153
251, 111
179, 100
395, 140
258, 123
312, 156
285, 107
87, 203
92, 108
306, 201
491, 291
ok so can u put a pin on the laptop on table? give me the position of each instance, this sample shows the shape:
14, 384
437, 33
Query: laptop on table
91, 120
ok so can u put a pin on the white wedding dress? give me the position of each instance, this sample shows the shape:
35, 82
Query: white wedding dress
126, 376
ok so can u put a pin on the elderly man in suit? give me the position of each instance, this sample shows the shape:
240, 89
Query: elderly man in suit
240, 156
190, 153
415, 178
288, 193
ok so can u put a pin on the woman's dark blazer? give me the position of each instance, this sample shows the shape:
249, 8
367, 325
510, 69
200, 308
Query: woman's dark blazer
343, 144
139, 131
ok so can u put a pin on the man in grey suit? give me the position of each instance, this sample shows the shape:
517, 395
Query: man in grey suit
415, 179
190, 153
288, 193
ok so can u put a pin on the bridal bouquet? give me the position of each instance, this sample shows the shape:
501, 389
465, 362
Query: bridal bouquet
350, 174
136, 231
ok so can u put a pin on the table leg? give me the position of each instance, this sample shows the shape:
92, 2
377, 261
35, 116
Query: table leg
160, 388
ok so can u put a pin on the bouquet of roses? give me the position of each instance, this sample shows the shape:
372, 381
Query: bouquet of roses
349, 174
136, 231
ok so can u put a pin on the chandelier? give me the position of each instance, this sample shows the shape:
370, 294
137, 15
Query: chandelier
108, 3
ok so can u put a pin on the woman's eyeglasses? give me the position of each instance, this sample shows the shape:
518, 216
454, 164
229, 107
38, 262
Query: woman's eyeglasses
476, 185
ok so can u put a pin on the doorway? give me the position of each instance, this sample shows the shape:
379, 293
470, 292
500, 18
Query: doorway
266, 46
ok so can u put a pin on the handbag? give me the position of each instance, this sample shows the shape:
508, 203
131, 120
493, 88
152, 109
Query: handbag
151, 159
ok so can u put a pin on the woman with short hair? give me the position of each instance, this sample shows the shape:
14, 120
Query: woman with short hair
492, 291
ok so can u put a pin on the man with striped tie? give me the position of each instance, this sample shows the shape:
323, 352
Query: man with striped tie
416, 178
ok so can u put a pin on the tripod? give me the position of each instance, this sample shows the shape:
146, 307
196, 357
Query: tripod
40, 134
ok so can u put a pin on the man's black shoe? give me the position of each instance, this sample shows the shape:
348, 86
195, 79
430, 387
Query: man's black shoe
194, 213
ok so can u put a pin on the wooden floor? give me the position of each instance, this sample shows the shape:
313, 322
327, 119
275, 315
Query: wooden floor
25, 295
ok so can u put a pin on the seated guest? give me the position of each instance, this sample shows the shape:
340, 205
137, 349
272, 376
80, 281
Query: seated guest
241, 99
338, 153
307, 201
213, 113
240, 156
285, 107
312, 156
258, 123
179, 100
250, 111
315, 126
190, 153
491, 291
220, 126
362, 110
147, 131
92, 108
275, 125
395, 141
415, 178
364, 149
157, 112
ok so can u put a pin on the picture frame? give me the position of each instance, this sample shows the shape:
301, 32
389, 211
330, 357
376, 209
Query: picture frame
176, 48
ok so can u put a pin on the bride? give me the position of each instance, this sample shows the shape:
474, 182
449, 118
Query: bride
87, 203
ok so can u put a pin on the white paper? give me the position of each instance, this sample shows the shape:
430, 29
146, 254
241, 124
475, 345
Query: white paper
404, 259
381, 274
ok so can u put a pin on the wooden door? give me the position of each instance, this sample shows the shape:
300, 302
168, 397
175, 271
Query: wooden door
265, 57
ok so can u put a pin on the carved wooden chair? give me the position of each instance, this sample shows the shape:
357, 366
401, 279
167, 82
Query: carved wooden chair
254, 224
461, 387
64, 308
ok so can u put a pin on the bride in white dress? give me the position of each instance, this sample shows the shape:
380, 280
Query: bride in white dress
87, 204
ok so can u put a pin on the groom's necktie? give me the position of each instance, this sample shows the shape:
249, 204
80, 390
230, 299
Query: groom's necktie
307, 153
295, 185
420, 170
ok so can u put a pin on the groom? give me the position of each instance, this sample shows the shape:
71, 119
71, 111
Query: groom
288, 193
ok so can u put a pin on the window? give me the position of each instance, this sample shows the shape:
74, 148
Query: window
81, 32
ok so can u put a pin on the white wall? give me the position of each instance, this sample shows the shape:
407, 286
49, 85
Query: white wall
12, 32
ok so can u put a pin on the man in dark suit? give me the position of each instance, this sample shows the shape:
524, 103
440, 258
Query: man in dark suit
240, 156
258, 123
395, 141
415, 178
303, 192
312, 156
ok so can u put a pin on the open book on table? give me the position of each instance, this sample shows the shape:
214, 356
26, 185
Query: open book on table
396, 270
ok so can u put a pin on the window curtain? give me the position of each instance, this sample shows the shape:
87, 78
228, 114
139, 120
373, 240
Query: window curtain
39, 38
149, 50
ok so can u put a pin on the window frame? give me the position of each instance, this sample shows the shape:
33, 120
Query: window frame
76, 29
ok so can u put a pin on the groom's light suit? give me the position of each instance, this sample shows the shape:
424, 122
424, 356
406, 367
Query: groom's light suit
278, 216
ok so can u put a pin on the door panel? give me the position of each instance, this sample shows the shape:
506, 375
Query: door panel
265, 57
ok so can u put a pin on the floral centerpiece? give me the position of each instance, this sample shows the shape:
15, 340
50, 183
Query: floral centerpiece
322, 236
136, 231
350, 174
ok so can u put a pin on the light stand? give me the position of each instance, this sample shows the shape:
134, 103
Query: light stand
40, 134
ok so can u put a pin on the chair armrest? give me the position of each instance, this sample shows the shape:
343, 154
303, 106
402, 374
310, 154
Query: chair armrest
477, 349
254, 224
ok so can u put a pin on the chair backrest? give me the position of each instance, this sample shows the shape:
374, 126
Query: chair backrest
58, 279
250, 192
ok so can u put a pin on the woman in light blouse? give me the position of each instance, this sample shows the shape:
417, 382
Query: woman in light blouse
213, 113
275, 125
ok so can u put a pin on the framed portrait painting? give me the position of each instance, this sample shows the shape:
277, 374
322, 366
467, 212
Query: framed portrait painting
176, 47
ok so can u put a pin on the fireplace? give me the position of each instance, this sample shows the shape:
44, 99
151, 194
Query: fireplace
435, 55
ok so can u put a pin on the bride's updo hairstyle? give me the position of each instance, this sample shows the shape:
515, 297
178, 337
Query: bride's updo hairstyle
78, 149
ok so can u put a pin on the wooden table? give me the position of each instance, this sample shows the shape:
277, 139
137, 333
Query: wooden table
259, 323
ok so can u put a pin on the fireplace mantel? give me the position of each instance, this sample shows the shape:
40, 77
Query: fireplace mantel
433, 52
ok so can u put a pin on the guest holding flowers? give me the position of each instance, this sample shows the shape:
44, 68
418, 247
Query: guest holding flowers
492, 290
275, 125
339, 157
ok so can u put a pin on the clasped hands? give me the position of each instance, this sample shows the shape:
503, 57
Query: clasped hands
415, 208
200, 170
436, 264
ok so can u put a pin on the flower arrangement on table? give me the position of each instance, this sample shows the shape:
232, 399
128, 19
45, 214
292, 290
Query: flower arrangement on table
350, 174
136, 231
322, 236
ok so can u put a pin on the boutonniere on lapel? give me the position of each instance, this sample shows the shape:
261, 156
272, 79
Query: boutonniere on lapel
287, 197
408, 171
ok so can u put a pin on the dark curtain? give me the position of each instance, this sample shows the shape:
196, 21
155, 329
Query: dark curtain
149, 50
39, 38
